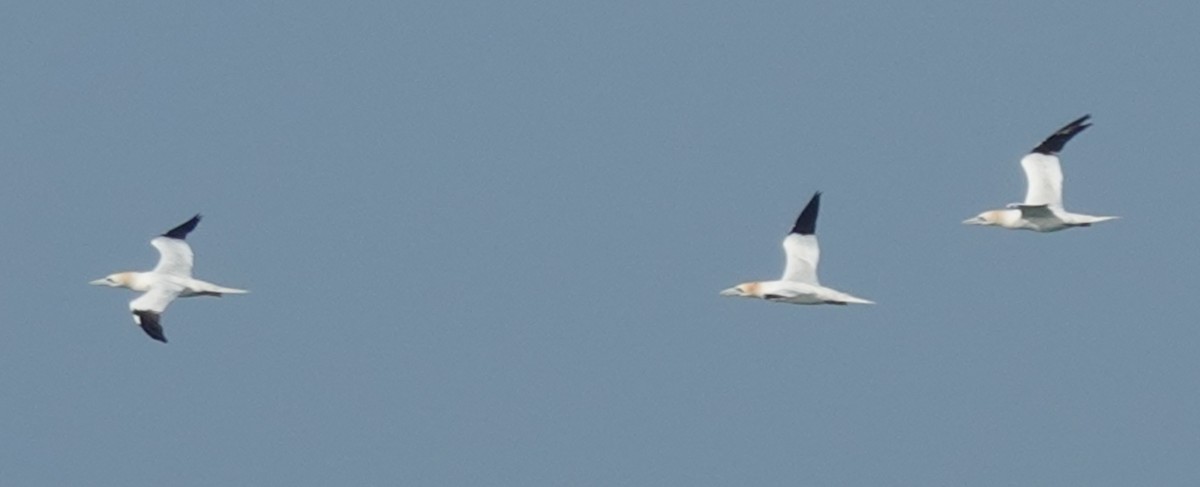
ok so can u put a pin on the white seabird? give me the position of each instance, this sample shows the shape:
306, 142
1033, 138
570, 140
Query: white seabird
1043, 209
799, 282
170, 279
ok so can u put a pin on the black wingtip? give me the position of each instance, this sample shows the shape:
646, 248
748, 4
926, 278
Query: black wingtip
1054, 143
148, 320
806, 223
180, 232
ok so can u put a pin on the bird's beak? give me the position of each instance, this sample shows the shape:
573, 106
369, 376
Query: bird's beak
98, 282
733, 291
973, 221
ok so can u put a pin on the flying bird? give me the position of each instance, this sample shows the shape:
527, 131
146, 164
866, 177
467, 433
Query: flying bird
170, 279
1043, 209
799, 282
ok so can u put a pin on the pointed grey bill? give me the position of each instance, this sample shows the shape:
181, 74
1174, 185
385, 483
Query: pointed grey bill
806, 223
1054, 143
180, 232
148, 320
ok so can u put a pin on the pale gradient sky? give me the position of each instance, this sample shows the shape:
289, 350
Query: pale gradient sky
484, 242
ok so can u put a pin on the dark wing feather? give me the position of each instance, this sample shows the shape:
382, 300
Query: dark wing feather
180, 232
806, 223
149, 323
1054, 143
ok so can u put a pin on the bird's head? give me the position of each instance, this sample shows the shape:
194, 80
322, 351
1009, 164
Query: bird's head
120, 279
746, 290
991, 217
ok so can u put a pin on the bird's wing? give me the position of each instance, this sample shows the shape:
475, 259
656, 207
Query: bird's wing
801, 247
1043, 171
175, 255
1036, 212
1055, 142
1042, 217
1038, 215
1045, 178
802, 256
148, 308
148, 320
180, 232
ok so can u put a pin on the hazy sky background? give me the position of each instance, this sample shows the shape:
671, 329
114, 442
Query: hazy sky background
484, 242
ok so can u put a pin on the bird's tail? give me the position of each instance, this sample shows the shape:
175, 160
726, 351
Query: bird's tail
1088, 220
203, 288
844, 298
210, 289
229, 290
854, 300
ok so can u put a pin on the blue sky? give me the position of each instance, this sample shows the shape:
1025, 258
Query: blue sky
484, 242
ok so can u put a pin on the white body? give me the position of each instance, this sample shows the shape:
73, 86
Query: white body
1042, 210
160, 288
799, 284
170, 279
1037, 218
793, 292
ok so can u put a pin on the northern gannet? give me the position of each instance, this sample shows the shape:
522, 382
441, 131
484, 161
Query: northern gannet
170, 279
1043, 209
799, 282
